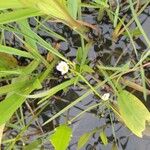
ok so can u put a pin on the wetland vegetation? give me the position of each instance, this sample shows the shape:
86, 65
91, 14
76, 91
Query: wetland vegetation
74, 74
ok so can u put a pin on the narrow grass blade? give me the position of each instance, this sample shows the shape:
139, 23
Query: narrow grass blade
14, 51
18, 14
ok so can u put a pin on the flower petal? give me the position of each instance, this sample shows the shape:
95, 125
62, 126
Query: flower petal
106, 96
62, 67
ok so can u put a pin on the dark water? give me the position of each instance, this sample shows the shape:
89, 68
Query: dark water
108, 52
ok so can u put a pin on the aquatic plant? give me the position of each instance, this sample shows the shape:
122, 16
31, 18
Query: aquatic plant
25, 71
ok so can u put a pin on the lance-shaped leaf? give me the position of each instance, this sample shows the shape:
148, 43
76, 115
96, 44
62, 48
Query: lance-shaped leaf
56, 9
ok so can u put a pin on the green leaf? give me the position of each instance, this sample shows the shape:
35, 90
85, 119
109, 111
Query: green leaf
5, 73
114, 146
116, 15
14, 51
1, 132
7, 61
73, 6
53, 90
61, 138
102, 3
13, 86
13, 101
134, 32
85, 52
101, 13
84, 139
49, 31
10, 4
29, 43
33, 145
56, 9
88, 69
37, 39
133, 112
103, 137
25, 29
79, 55
18, 14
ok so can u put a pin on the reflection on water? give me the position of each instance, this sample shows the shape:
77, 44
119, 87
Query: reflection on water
89, 121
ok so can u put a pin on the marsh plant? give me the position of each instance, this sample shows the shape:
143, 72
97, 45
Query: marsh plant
35, 72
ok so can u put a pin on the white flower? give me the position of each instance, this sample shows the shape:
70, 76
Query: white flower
106, 96
62, 67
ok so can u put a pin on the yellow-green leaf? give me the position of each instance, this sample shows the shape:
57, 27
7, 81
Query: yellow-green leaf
10, 4
133, 112
88, 69
73, 6
84, 139
1, 133
103, 137
114, 146
7, 61
61, 138
34, 145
